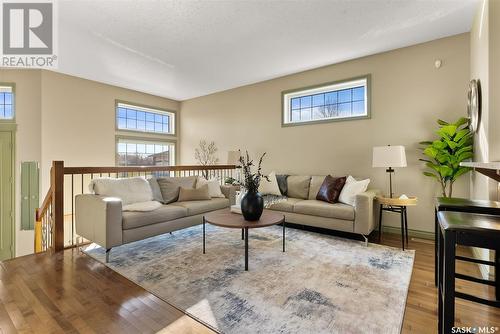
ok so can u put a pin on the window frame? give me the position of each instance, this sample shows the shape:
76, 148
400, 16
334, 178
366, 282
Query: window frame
12, 85
174, 128
150, 139
287, 95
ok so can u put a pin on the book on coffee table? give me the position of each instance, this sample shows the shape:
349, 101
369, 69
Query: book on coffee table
236, 208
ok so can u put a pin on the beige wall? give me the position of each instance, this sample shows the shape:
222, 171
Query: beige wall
78, 119
61, 117
28, 147
485, 66
408, 95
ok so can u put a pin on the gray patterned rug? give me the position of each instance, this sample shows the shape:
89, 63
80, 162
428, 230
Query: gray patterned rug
322, 284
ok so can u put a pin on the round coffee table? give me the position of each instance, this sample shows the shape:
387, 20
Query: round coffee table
228, 219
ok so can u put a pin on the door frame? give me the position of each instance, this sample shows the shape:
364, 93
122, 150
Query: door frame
12, 128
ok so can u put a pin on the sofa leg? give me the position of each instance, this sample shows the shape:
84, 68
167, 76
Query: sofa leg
108, 250
366, 240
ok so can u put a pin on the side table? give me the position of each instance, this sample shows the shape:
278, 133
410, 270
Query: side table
397, 205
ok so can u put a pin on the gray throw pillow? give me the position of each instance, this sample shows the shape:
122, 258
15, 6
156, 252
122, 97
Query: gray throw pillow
155, 188
282, 184
169, 186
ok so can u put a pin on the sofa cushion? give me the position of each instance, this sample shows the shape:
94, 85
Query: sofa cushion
323, 209
281, 178
135, 219
129, 190
270, 187
351, 189
194, 194
170, 186
330, 189
316, 181
155, 188
286, 205
298, 186
197, 207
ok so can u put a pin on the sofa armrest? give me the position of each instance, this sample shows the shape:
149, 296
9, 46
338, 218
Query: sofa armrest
230, 193
366, 211
99, 219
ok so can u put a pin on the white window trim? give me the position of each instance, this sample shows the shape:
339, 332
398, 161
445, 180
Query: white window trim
287, 96
172, 114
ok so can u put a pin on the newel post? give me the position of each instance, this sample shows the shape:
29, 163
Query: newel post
57, 186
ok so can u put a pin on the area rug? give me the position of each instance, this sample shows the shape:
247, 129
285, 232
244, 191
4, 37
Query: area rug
321, 284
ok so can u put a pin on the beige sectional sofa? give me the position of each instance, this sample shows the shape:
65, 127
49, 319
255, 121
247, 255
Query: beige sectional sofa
302, 208
101, 219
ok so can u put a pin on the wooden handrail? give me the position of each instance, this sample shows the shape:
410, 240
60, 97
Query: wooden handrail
141, 169
50, 216
45, 205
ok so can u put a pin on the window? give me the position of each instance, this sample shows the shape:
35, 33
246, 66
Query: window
144, 152
337, 101
6, 103
135, 118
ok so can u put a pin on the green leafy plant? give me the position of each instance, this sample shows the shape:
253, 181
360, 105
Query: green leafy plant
445, 154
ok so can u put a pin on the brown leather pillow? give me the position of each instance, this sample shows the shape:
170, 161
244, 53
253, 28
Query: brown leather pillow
330, 189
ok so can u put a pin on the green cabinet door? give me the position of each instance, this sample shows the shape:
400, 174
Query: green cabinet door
6, 196
29, 194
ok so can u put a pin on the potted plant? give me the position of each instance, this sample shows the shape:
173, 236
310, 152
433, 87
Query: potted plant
252, 203
445, 154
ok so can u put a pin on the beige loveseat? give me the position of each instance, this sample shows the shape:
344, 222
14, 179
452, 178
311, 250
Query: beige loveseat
101, 219
302, 208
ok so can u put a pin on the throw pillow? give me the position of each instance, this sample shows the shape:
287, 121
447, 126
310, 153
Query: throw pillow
129, 190
269, 187
298, 186
213, 186
197, 194
282, 184
351, 189
155, 188
169, 186
330, 189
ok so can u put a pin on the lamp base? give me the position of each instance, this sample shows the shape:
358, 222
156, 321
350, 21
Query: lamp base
390, 171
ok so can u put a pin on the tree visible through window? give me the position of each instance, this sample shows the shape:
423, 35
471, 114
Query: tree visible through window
341, 100
139, 152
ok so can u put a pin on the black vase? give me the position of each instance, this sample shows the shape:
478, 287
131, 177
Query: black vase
252, 205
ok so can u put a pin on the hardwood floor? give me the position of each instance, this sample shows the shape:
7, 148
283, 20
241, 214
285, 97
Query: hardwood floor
70, 292
421, 306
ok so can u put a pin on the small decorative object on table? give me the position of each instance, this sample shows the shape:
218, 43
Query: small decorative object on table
252, 203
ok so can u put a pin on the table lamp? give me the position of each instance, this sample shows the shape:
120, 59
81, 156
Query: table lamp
389, 156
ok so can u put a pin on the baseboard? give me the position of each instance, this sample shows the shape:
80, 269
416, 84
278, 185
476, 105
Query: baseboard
411, 233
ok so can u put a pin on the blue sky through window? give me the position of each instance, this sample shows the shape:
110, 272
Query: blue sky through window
6, 103
134, 118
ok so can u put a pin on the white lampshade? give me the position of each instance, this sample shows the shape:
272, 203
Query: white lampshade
233, 157
389, 156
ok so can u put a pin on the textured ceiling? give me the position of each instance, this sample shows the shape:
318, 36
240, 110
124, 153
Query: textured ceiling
183, 49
